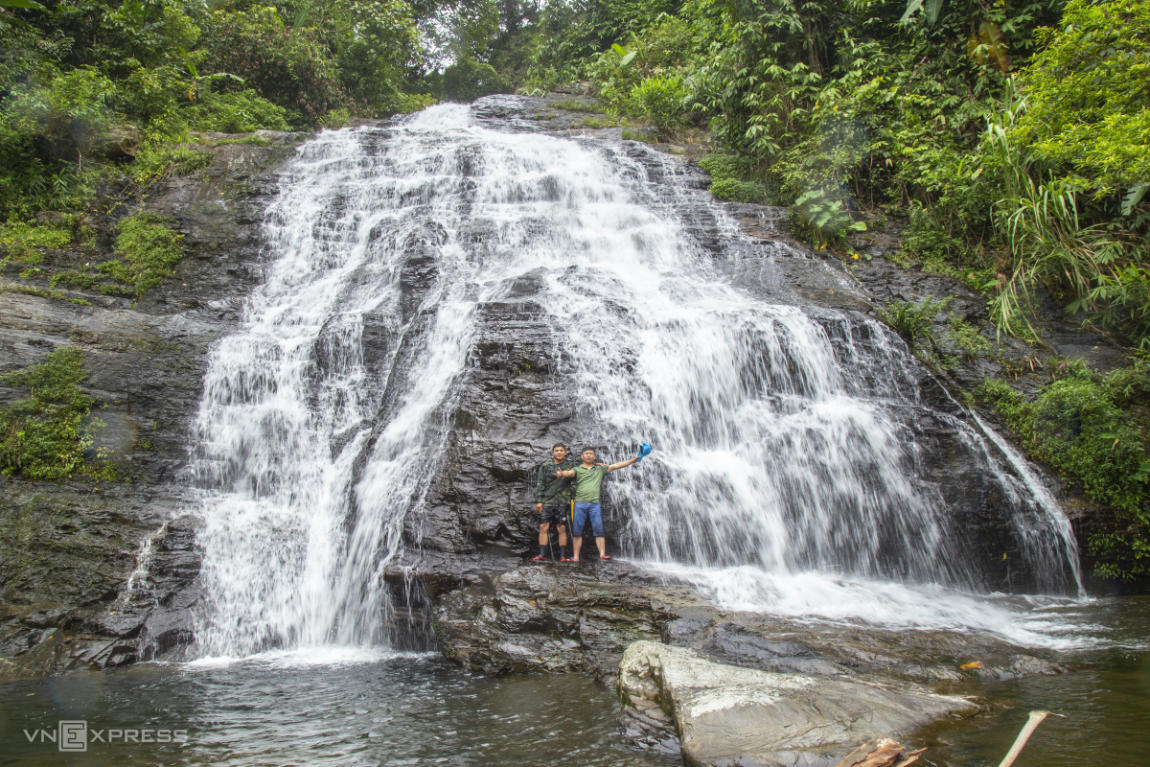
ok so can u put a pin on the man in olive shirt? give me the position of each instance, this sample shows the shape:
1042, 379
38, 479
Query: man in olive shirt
552, 500
588, 481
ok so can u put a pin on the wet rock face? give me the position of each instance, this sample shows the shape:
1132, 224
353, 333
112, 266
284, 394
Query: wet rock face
513, 404
75, 608
68, 550
726, 715
552, 618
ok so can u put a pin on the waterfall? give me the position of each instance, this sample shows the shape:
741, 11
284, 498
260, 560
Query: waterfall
789, 438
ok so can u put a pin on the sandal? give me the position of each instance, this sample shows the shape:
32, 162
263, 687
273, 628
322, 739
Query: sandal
604, 556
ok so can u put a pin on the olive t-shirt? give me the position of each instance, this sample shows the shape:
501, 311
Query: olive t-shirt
588, 482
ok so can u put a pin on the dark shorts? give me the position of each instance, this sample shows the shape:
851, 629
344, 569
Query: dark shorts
556, 514
585, 512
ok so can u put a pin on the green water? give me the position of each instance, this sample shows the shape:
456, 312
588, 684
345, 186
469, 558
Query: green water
1102, 705
392, 709
405, 710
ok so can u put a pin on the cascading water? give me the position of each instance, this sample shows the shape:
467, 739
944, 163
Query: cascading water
789, 439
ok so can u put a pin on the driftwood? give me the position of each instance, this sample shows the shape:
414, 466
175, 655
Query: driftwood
883, 752
1028, 729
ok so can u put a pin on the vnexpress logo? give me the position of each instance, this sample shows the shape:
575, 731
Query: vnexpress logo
72, 735
75, 735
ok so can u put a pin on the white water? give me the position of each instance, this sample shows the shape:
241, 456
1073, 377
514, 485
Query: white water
787, 439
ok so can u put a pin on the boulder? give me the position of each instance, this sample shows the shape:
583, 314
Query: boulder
726, 715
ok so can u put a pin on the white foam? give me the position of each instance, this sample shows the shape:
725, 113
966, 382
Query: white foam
1031, 621
304, 657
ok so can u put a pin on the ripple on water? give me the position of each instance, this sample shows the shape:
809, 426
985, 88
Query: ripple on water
287, 708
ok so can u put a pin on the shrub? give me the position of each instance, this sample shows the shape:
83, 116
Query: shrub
237, 112
156, 160
729, 179
660, 101
913, 321
822, 218
739, 191
1087, 92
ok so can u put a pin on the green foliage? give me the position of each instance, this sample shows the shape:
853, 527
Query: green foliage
467, 80
68, 115
969, 341
659, 100
728, 179
236, 112
147, 249
1088, 90
43, 436
823, 219
85, 84
912, 321
287, 65
1090, 431
25, 243
736, 190
157, 160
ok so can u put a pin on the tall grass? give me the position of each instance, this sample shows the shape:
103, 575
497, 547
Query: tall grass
1047, 244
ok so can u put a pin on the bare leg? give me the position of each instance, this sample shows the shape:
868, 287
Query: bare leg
601, 542
544, 527
578, 545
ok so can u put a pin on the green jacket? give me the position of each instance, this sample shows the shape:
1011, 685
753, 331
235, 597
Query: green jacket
551, 490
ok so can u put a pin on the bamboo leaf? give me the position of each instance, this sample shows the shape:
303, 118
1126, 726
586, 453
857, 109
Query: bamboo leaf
1133, 197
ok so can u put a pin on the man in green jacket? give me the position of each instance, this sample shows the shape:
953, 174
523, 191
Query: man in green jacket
552, 501
588, 478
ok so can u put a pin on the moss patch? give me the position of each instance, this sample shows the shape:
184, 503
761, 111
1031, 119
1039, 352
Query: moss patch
147, 251
43, 436
1093, 431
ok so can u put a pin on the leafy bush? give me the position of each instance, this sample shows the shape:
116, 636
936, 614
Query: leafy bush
69, 114
729, 179
823, 219
660, 101
237, 112
156, 160
43, 436
912, 321
736, 190
286, 65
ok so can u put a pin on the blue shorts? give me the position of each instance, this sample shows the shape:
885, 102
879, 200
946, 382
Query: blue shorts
583, 510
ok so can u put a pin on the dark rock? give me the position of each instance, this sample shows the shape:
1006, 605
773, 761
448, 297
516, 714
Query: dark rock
67, 550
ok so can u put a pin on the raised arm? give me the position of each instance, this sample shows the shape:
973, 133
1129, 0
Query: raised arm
621, 464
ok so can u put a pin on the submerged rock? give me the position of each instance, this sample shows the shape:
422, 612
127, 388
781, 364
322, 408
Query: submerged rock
726, 715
